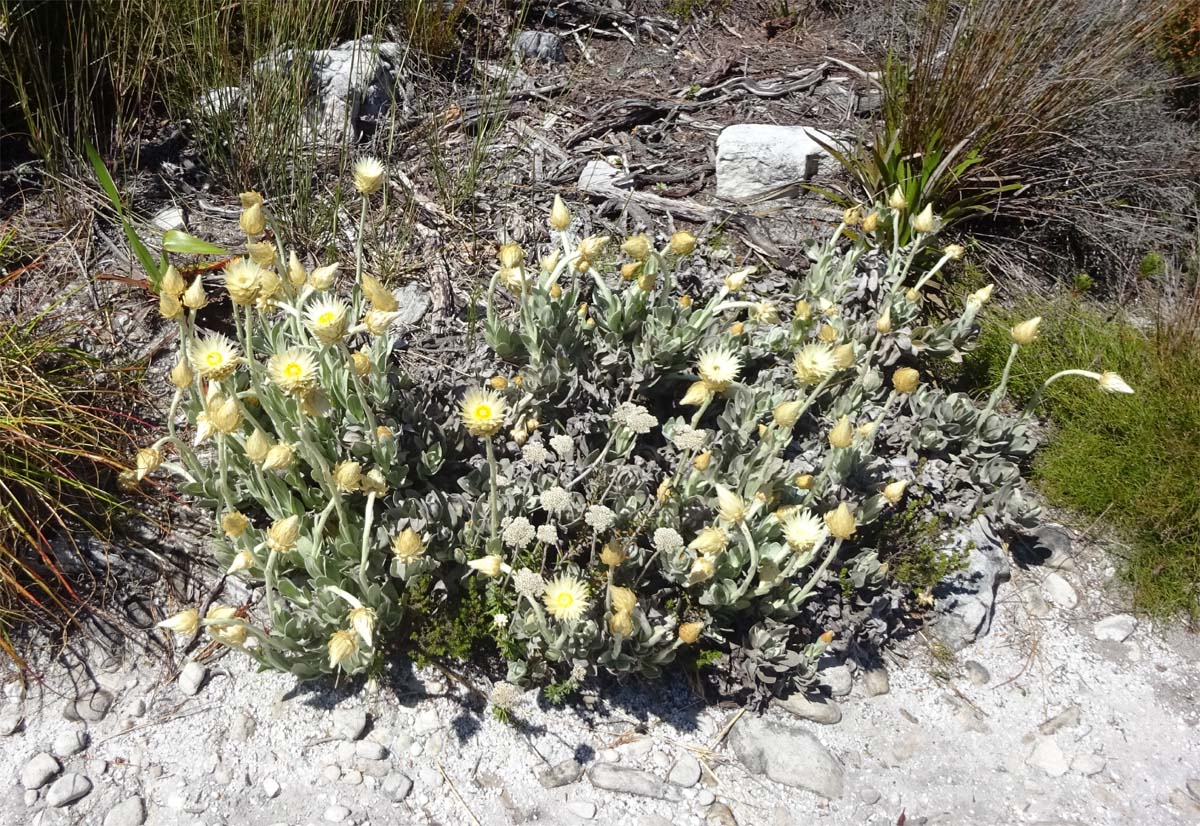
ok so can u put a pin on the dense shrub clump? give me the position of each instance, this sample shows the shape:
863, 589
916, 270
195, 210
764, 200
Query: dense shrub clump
650, 458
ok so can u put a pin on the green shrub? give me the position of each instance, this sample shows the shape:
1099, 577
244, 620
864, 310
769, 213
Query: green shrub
630, 471
1136, 464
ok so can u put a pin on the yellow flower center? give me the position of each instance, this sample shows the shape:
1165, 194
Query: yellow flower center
214, 358
293, 370
483, 411
565, 600
326, 317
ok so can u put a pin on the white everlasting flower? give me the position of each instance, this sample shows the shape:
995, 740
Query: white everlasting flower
500, 621
635, 417
518, 533
687, 437
803, 531
528, 583
547, 534
579, 673
555, 499
563, 446
369, 175
667, 540
600, 518
814, 363
535, 453
718, 368
1112, 383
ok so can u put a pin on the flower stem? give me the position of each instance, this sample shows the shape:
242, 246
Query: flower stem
998, 393
366, 538
817, 574
752, 571
494, 473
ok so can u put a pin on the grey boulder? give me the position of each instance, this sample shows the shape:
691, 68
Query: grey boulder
753, 158
787, 754
966, 599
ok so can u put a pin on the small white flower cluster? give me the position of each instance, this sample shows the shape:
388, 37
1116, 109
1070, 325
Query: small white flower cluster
687, 437
635, 417
600, 518
535, 453
563, 446
528, 583
555, 499
518, 533
505, 695
547, 534
667, 540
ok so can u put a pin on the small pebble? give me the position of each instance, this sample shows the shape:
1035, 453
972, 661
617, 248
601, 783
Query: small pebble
336, 814
331, 772
585, 809
270, 787
352, 777
192, 678
976, 673
69, 743
370, 750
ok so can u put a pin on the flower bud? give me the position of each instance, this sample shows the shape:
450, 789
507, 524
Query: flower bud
841, 522
737, 328
234, 524
283, 534
925, 222
147, 461
347, 476
620, 624
681, 244
954, 252
374, 482
362, 620
360, 364
194, 298
322, 278
227, 417
710, 541
555, 291
827, 637
842, 434
689, 632
1026, 332
685, 301
803, 310
612, 554
787, 413
221, 632
591, 247
730, 506
702, 461
906, 380
378, 322
696, 395
297, 275
804, 481
871, 222
645, 281
243, 560
280, 459
252, 220
381, 297
408, 545
843, 356
262, 253
702, 570
897, 200
980, 297
519, 435
172, 282
498, 382
486, 565
342, 646
1112, 383
884, 325
629, 271
257, 447
912, 296
182, 375
511, 256
624, 600
560, 216
169, 306
894, 492
637, 247
851, 216
866, 429
736, 280
532, 424
185, 623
